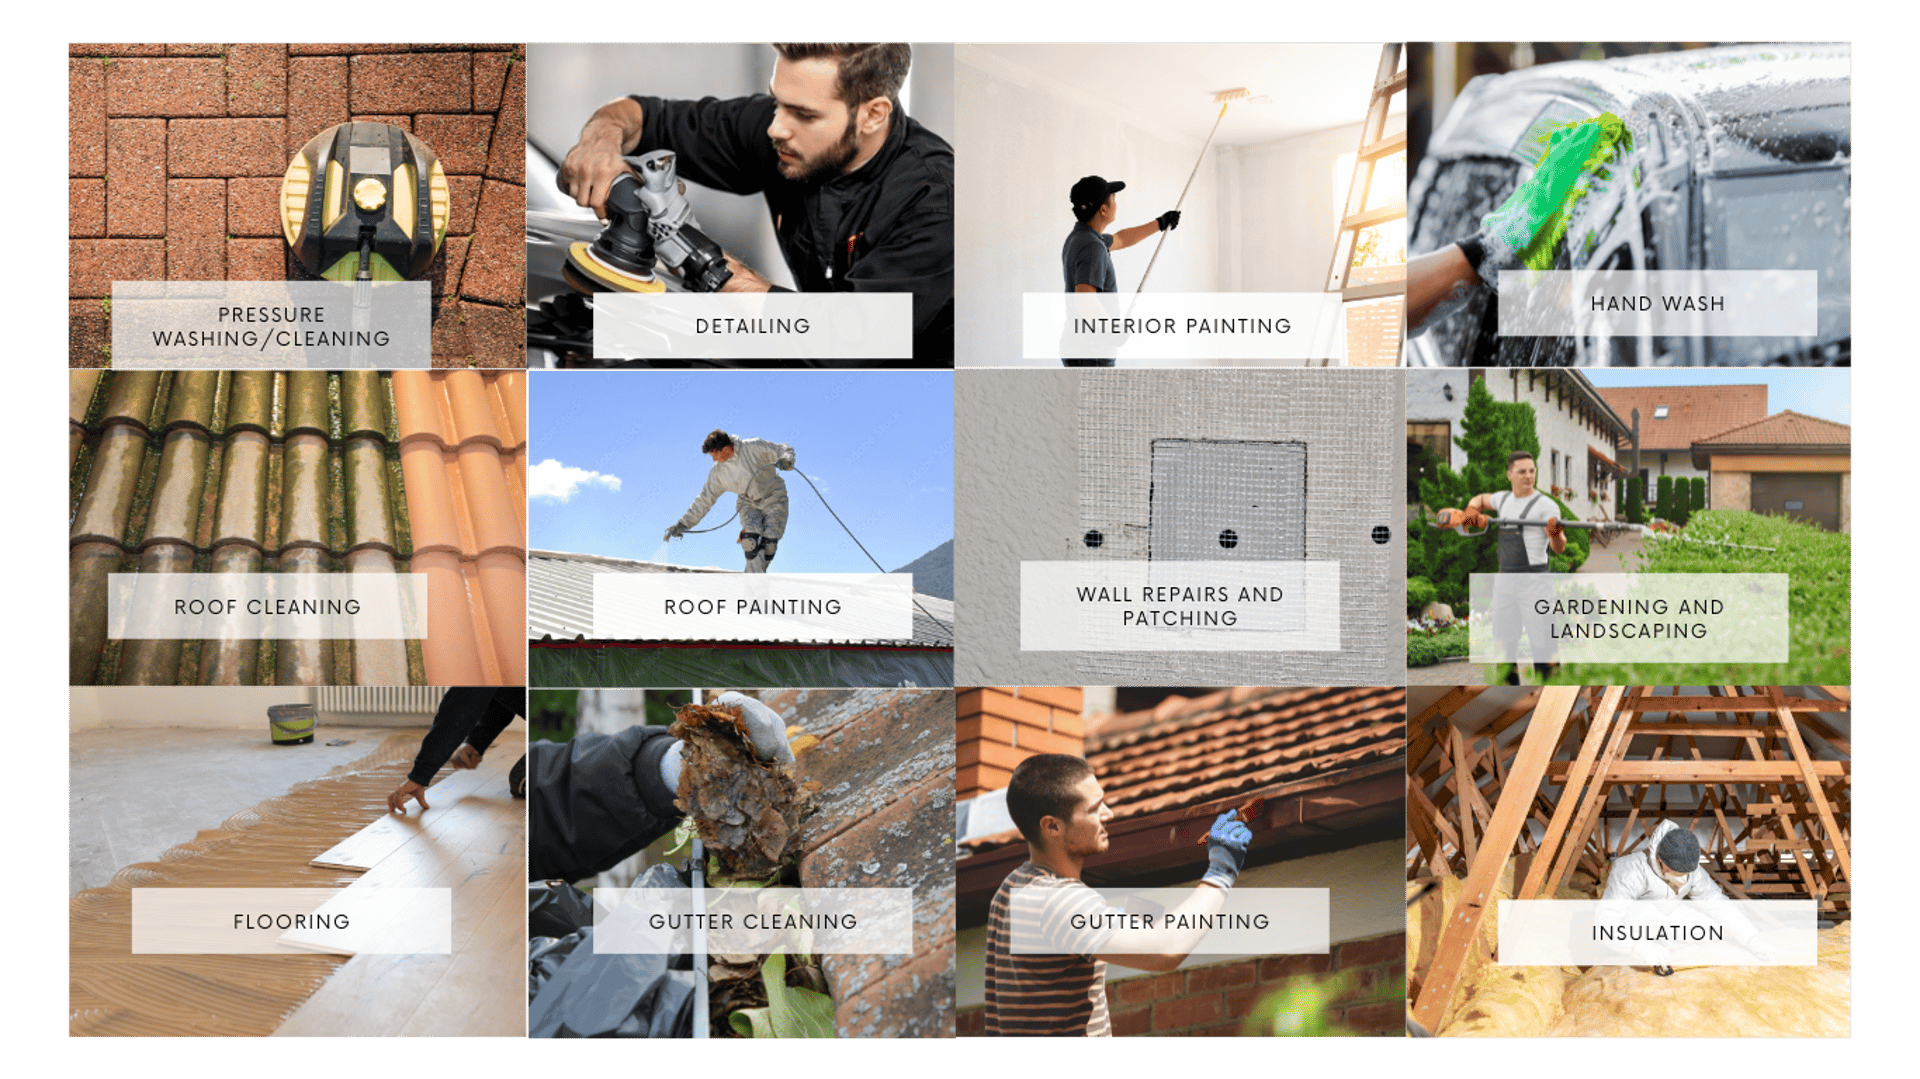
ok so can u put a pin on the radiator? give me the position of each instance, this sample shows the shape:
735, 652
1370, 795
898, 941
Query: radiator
378, 700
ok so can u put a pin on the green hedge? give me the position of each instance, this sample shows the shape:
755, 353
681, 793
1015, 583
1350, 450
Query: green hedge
1420, 592
1819, 566
1425, 650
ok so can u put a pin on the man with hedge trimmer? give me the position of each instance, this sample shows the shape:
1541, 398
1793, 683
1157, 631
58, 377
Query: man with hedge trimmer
1530, 532
1523, 550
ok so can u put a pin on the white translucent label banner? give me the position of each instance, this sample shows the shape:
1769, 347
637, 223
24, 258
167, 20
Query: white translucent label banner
753, 921
1659, 932
1161, 606
1629, 617
1671, 303
753, 606
277, 324
1183, 326
754, 325
1044, 920
257, 921
266, 606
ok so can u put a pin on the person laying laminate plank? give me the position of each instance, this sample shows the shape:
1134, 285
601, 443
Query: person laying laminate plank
466, 723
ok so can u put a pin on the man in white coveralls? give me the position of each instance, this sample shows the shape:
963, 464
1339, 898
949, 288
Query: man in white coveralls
1669, 868
746, 467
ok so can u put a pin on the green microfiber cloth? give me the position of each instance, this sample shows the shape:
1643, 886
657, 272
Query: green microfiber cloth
1531, 223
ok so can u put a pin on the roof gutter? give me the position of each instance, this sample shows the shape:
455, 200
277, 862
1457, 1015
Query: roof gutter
1294, 811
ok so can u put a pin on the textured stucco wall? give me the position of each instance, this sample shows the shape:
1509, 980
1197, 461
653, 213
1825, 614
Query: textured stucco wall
1352, 423
1016, 497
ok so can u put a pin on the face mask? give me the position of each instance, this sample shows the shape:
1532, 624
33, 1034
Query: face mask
1674, 880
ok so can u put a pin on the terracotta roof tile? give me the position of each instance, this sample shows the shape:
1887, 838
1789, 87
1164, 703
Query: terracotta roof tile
1693, 412
296, 472
1233, 744
463, 454
1784, 428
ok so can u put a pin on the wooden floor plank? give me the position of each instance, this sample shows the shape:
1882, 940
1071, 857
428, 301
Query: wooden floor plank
476, 845
365, 848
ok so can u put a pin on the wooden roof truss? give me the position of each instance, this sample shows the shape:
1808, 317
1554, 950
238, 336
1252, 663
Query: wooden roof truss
1568, 778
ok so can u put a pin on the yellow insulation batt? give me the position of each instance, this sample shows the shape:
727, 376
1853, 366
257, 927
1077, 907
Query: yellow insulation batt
1488, 1000
1716, 1002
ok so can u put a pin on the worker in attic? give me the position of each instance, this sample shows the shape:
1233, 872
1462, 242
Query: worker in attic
1670, 869
747, 468
1043, 975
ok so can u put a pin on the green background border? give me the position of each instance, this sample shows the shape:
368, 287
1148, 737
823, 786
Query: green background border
35, 350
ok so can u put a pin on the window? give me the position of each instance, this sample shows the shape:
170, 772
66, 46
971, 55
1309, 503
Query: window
1659, 412
1435, 438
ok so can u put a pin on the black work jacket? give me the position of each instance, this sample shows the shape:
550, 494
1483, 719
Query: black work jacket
595, 801
885, 227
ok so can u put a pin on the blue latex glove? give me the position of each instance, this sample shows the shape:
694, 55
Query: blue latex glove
1227, 843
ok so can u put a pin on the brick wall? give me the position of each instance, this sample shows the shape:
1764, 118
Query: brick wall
175, 155
1215, 998
1000, 726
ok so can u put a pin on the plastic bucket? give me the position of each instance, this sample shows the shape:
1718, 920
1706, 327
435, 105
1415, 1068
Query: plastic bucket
291, 724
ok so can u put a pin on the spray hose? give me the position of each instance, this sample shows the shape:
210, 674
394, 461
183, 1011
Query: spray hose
863, 547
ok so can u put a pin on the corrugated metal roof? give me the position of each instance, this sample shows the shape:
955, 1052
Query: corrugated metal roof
560, 599
289, 471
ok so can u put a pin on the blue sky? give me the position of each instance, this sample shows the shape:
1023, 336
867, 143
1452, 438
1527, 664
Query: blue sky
625, 447
1822, 393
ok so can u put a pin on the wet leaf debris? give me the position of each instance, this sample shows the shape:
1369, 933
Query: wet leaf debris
747, 811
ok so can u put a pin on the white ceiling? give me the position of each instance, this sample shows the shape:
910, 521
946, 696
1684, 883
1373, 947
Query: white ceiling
1171, 87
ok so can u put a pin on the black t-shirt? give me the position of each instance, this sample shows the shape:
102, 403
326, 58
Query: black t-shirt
885, 227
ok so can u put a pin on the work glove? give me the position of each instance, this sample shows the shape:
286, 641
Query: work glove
674, 531
784, 464
1648, 954
1472, 520
1538, 209
1169, 220
1227, 844
764, 726
1554, 530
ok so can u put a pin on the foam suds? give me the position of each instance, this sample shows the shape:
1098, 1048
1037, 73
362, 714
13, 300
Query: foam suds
113, 992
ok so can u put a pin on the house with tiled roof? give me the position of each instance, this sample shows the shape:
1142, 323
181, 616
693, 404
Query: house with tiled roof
1327, 761
1673, 418
564, 650
1788, 464
1580, 433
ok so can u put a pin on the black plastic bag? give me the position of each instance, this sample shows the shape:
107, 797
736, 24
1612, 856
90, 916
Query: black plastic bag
577, 994
558, 911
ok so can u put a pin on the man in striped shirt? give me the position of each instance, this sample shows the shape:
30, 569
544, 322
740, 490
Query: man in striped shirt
1056, 802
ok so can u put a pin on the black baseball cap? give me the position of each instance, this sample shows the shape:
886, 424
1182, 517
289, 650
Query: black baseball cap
1090, 192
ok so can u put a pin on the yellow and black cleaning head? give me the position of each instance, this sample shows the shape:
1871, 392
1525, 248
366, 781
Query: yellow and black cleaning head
364, 201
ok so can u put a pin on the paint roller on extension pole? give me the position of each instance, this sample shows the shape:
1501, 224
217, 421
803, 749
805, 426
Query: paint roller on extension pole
1225, 98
